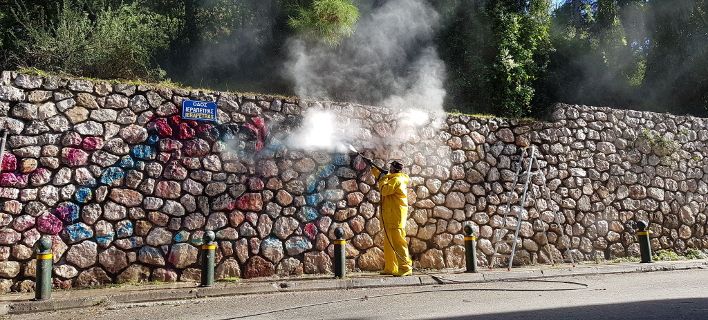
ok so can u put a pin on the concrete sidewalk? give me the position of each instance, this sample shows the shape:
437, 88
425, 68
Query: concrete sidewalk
126, 294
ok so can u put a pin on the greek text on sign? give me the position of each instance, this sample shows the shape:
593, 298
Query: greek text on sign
198, 110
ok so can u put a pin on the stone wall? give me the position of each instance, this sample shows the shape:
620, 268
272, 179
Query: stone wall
125, 188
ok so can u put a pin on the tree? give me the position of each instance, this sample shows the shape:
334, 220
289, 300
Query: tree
521, 30
677, 66
465, 43
326, 20
599, 55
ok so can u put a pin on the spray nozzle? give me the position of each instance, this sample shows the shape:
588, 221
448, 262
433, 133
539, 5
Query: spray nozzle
367, 160
353, 150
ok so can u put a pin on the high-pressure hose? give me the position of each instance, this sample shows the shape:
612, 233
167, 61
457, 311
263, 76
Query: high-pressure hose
383, 221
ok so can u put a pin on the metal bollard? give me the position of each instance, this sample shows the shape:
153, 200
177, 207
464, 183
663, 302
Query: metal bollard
208, 256
470, 250
43, 282
340, 265
644, 245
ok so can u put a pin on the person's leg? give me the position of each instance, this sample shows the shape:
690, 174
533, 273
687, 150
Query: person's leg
389, 256
403, 260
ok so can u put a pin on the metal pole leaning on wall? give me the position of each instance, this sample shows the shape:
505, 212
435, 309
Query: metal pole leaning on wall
208, 257
43, 282
3, 136
470, 250
644, 244
340, 266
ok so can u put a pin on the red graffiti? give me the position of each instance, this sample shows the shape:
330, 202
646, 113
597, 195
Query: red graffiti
259, 129
9, 162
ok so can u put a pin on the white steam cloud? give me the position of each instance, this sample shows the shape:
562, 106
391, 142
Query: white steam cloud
322, 130
389, 61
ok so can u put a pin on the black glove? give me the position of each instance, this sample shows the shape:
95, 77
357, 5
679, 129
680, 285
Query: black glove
382, 174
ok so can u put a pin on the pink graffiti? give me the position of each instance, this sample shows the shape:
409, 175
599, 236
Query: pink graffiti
49, 224
250, 202
311, 230
92, 143
185, 132
75, 157
258, 127
9, 162
163, 128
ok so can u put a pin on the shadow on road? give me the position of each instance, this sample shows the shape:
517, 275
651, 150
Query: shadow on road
674, 309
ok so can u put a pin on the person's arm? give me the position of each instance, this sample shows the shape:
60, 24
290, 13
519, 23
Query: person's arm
391, 186
375, 172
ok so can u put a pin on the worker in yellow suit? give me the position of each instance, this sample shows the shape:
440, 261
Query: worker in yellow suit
393, 186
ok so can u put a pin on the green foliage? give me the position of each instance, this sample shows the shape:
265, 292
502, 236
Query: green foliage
677, 63
496, 52
600, 55
111, 42
625, 260
465, 45
522, 32
328, 20
661, 144
667, 255
695, 254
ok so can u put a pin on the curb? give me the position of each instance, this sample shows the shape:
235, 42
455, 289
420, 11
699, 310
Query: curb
220, 290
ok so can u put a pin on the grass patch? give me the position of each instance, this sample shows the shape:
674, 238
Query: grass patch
667, 255
625, 260
695, 254
230, 279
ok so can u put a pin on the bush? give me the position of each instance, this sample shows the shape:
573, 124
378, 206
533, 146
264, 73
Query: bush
693, 254
112, 43
667, 255
326, 20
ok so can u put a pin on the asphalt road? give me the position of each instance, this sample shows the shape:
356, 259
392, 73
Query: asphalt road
655, 295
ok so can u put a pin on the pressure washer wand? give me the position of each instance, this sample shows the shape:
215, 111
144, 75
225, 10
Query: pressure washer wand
369, 161
3, 136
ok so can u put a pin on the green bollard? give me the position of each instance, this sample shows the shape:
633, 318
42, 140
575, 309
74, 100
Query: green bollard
43, 282
644, 244
208, 257
340, 266
470, 250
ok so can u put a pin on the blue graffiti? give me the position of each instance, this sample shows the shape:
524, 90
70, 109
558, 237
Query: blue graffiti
105, 240
181, 236
78, 231
143, 152
127, 162
313, 199
153, 139
297, 244
68, 212
111, 175
307, 214
83, 195
340, 160
326, 171
124, 229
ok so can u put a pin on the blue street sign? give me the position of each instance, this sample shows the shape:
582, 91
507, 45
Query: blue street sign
198, 110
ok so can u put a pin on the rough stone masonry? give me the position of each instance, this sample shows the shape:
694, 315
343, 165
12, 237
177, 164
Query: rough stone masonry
126, 188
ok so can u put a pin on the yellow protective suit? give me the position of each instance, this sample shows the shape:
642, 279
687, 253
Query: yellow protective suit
394, 212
